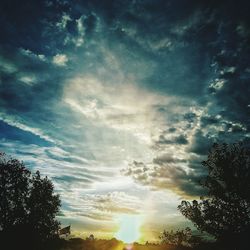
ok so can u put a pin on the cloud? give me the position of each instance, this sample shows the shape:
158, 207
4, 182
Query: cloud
170, 173
117, 202
60, 60
201, 143
181, 139
133, 110
13, 122
101, 207
32, 55
19, 133
167, 158
62, 24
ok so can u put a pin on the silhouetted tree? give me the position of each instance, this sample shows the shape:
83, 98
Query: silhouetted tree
14, 191
43, 207
28, 205
178, 238
225, 213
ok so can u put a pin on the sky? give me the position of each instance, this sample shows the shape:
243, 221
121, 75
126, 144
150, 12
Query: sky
118, 102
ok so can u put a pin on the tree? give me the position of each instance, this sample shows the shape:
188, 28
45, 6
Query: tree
225, 212
28, 204
178, 238
14, 190
43, 207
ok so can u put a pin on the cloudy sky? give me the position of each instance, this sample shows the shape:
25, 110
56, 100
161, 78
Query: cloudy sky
118, 102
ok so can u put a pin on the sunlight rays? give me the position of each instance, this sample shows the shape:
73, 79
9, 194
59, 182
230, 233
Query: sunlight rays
129, 230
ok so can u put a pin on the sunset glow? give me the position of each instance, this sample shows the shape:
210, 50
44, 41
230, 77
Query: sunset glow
129, 230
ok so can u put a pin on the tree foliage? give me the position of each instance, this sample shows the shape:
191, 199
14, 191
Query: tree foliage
178, 238
225, 213
28, 204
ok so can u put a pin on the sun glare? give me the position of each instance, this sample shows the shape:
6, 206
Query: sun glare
129, 228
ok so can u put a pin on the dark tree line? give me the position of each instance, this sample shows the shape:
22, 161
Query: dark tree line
225, 212
28, 205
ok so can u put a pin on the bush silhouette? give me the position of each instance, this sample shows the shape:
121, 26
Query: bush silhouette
225, 213
178, 238
28, 205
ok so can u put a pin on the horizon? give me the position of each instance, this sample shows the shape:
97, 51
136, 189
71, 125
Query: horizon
119, 102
